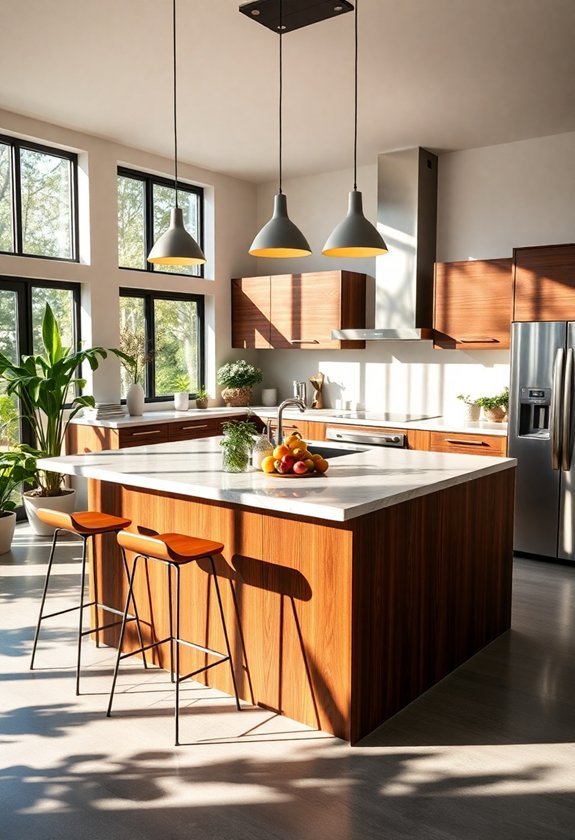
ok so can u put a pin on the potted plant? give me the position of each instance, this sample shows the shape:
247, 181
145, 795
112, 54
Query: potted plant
237, 443
47, 386
134, 356
181, 392
202, 398
238, 379
495, 408
17, 469
472, 408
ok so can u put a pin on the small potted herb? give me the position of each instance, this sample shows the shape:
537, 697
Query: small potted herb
472, 408
202, 398
181, 392
495, 408
238, 379
237, 444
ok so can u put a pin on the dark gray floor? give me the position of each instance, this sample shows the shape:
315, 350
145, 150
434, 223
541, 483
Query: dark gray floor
488, 753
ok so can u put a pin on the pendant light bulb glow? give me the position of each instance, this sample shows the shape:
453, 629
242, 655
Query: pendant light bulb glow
355, 236
175, 246
280, 238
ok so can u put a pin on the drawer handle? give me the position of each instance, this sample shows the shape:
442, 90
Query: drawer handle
466, 442
187, 428
149, 432
304, 341
471, 339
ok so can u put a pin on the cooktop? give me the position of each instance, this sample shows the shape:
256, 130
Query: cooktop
383, 417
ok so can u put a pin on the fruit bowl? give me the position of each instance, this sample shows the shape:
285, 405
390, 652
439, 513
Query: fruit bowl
292, 459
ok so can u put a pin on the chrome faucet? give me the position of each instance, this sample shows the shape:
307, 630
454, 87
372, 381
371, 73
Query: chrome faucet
291, 401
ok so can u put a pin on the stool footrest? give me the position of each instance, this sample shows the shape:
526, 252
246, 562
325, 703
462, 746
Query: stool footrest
101, 627
205, 668
200, 647
144, 648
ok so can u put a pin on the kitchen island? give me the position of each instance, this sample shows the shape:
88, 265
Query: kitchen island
348, 594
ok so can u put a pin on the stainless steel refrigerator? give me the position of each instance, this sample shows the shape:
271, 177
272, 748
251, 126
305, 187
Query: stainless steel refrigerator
541, 421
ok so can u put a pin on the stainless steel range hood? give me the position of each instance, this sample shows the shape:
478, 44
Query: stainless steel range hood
407, 219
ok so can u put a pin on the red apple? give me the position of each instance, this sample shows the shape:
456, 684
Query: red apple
286, 464
300, 468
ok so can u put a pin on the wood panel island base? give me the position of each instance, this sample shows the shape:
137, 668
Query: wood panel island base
339, 618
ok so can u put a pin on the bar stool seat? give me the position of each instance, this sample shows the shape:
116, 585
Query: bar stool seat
84, 524
172, 550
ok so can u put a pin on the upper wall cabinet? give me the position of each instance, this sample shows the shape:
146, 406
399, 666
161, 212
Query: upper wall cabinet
472, 305
297, 311
545, 283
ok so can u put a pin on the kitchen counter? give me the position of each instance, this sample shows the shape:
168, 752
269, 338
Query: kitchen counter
355, 484
346, 595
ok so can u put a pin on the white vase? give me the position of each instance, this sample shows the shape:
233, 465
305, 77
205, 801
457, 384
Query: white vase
270, 396
471, 413
66, 502
7, 525
135, 400
181, 400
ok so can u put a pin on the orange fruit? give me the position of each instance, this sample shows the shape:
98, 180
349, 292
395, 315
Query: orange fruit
310, 463
300, 454
281, 450
321, 465
267, 464
292, 440
316, 456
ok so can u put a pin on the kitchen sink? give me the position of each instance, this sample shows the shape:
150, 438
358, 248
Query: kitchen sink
328, 452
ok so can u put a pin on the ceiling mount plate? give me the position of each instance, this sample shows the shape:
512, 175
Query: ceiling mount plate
295, 13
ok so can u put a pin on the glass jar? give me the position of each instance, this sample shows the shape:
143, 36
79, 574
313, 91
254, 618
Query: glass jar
235, 459
261, 448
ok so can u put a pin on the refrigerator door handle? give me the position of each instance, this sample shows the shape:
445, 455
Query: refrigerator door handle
556, 410
567, 412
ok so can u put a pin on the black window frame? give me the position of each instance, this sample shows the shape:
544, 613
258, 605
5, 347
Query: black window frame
16, 144
149, 296
149, 181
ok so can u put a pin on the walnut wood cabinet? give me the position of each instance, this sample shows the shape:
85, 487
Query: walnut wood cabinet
468, 444
297, 311
473, 303
544, 283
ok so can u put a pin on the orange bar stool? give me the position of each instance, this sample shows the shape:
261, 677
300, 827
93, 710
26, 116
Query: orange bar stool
173, 551
86, 525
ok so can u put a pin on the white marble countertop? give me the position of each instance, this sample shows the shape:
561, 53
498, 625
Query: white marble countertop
330, 415
355, 484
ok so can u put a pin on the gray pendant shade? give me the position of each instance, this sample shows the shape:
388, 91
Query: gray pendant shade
280, 237
176, 246
355, 236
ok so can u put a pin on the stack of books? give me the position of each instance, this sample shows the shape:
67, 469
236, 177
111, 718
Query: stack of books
104, 411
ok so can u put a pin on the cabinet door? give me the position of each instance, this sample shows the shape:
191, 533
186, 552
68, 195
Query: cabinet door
545, 283
191, 429
473, 305
251, 313
305, 308
291, 426
140, 435
468, 444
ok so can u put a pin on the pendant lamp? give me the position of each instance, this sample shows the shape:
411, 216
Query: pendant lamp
355, 236
280, 237
175, 246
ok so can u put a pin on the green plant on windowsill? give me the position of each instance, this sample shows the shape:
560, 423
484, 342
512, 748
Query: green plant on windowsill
467, 400
237, 443
181, 384
202, 398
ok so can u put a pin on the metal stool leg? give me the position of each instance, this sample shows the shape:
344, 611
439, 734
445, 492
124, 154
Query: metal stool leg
138, 629
177, 645
170, 605
129, 597
45, 592
81, 611
96, 594
228, 648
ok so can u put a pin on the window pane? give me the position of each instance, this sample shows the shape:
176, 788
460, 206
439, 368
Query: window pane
133, 338
131, 223
9, 426
6, 221
46, 182
177, 336
164, 200
62, 304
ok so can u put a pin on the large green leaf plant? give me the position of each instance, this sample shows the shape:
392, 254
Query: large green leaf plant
48, 387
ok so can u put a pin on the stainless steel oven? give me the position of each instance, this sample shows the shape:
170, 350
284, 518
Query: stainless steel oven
366, 439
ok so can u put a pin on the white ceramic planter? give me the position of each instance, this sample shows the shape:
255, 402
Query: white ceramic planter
471, 413
181, 401
66, 503
7, 525
135, 400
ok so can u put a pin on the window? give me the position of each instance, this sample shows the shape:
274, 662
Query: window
22, 305
38, 201
144, 204
170, 329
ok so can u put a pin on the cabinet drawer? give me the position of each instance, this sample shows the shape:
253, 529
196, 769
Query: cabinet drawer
468, 444
140, 435
291, 426
190, 429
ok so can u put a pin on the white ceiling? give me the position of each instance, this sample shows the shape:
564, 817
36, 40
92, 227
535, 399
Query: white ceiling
444, 74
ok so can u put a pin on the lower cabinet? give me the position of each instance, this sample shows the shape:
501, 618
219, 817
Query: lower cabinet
467, 444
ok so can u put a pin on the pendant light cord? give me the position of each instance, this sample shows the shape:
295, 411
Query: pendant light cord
355, 110
175, 102
281, 96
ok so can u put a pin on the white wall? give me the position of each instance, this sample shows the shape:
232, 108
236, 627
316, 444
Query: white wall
490, 201
229, 228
